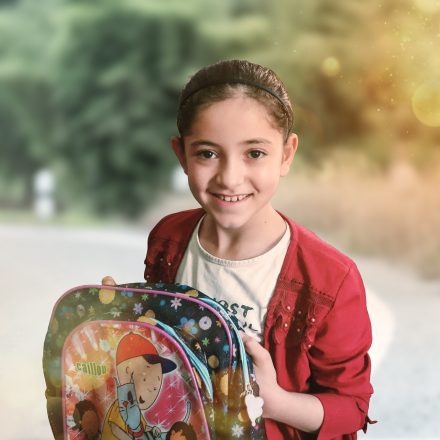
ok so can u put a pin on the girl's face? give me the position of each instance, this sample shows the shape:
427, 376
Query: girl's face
234, 157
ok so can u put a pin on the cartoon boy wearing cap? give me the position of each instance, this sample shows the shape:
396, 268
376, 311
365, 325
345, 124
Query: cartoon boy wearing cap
137, 361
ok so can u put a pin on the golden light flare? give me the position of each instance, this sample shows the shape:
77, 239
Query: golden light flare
330, 66
426, 104
428, 6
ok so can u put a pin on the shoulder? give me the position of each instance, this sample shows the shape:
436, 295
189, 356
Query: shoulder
167, 243
311, 247
313, 263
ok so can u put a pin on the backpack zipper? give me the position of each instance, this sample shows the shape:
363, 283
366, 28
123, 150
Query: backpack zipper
240, 343
198, 364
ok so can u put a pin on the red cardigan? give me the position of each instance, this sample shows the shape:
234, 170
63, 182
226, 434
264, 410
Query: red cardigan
317, 326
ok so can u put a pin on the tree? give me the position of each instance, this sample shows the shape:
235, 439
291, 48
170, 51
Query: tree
25, 99
119, 72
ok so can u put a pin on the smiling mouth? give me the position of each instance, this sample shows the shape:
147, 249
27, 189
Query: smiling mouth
232, 199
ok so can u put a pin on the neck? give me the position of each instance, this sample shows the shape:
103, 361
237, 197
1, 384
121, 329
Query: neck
254, 238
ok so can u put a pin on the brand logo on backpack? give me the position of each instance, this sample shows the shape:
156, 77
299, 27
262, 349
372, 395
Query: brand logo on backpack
91, 368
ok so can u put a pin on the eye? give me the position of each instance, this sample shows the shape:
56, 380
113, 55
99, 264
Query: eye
256, 154
206, 154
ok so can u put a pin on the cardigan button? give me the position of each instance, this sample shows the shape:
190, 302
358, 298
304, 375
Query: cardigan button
169, 264
313, 320
289, 308
285, 325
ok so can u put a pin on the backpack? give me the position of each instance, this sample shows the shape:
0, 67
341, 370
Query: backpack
145, 361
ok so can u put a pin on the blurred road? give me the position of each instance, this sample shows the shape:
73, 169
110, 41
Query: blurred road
406, 381
39, 263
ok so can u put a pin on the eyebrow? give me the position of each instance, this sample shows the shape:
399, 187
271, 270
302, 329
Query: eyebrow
200, 142
256, 141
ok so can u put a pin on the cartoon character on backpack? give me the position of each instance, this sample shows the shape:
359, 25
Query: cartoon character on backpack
181, 431
131, 414
140, 370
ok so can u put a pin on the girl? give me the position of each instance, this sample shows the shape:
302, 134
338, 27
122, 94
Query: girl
300, 297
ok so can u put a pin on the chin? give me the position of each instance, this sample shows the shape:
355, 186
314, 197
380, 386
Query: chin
230, 223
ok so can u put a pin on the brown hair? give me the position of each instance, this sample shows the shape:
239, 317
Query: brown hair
223, 80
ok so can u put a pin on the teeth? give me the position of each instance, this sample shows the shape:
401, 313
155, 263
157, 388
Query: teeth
231, 198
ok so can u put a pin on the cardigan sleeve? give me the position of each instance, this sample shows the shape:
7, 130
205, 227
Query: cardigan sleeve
340, 364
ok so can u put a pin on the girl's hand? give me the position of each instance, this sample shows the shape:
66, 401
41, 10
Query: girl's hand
108, 281
302, 411
264, 371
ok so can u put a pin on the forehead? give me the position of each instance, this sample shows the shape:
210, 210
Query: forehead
239, 114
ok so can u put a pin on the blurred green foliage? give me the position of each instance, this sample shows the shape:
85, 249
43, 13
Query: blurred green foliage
116, 92
89, 89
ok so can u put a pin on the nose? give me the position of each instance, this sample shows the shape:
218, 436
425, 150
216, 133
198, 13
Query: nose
230, 174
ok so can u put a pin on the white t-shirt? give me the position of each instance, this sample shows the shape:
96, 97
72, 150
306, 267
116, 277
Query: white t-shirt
244, 287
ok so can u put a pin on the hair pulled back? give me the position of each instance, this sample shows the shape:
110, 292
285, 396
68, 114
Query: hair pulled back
225, 79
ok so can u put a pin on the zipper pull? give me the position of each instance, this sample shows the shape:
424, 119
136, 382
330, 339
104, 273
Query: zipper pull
254, 405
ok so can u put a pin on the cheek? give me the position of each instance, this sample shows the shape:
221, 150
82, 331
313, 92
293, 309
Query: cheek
198, 174
265, 179
142, 385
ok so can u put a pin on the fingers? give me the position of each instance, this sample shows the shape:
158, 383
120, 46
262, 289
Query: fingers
258, 353
108, 281
243, 335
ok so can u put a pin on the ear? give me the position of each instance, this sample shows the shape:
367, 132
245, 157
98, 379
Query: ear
179, 151
289, 150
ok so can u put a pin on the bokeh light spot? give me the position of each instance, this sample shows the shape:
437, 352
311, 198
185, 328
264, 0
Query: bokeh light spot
331, 66
428, 6
426, 104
